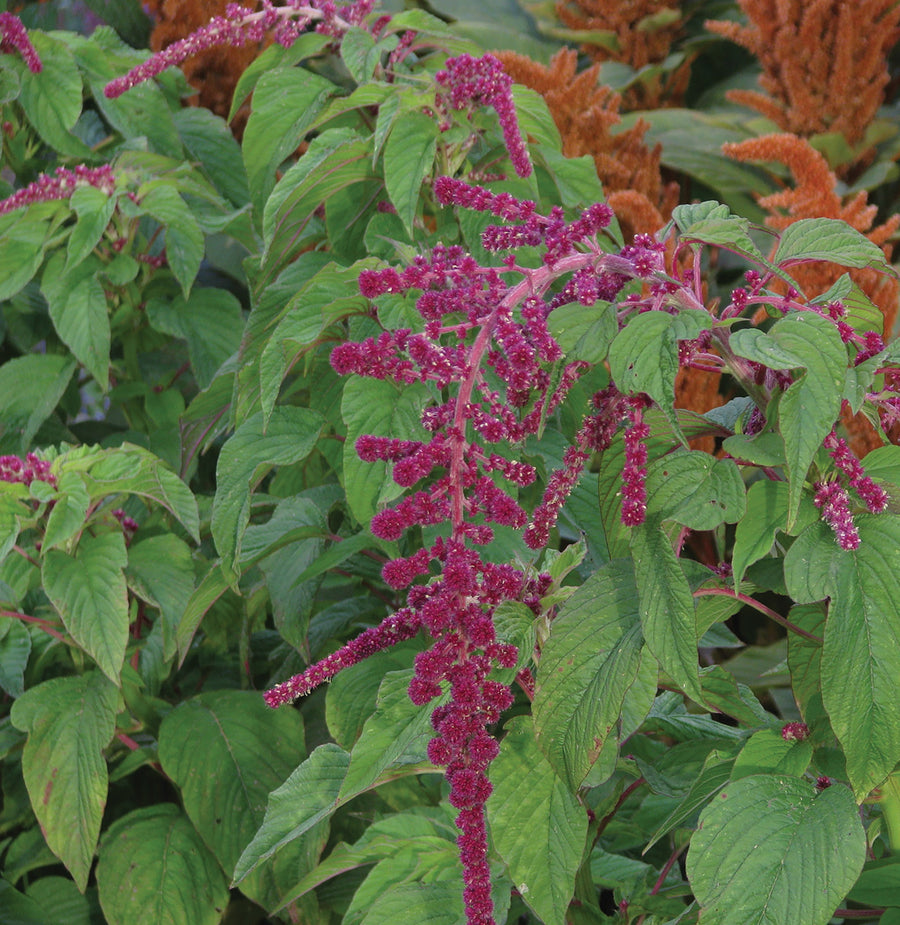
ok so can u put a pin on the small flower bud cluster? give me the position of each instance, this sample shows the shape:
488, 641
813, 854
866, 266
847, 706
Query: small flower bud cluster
794, 732
832, 498
243, 26
470, 81
25, 471
61, 185
14, 37
397, 627
634, 474
873, 496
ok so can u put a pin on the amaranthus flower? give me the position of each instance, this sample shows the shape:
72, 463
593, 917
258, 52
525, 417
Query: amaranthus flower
13, 36
61, 185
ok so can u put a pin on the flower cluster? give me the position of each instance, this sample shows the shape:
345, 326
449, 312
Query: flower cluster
25, 471
794, 732
873, 496
470, 81
13, 36
61, 185
242, 26
832, 497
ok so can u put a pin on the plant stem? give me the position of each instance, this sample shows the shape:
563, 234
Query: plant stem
756, 605
890, 807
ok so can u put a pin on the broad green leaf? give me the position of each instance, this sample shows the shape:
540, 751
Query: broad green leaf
728, 231
765, 449
830, 240
209, 141
417, 904
328, 296
336, 159
52, 98
666, 606
408, 157
352, 695
811, 405
155, 870
861, 653
308, 796
536, 824
211, 587
767, 513
770, 850
714, 775
587, 665
861, 313
722, 693
211, 322
30, 388
94, 209
584, 332
644, 355
377, 407
227, 751
805, 655
878, 884
273, 57
291, 435
15, 647
89, 592
161, 571
21, 253
766, 752
130, 469
695, 489
285, 103
396, 733
184, 239
690, 213
78, 309
69, 722
18, 909
62, 902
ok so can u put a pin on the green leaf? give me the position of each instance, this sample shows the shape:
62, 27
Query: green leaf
78, 310
352, 695
30, 388
21, 253
396, 733
584, 332
226, 751
94, 209
52, 98
695, 490
69, 722
154, 868
89, 591
328, 296
536, 824
211, 587
587, 665
420, 903
291, 435
666, 606
765, 449
644, 355
770, 849
766, 752
830, 240
334, 160
133, 470
161, 570
285, 103
878, 884
184, 240
811, 405
408, 157
211, 322
861, 652
377, 407
209, 142
767, 514
18, 909
15, 648
69, 510
307, 797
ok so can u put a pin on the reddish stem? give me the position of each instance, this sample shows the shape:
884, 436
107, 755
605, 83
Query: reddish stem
756, 605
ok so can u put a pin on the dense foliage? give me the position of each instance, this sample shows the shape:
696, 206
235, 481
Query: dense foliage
581, 495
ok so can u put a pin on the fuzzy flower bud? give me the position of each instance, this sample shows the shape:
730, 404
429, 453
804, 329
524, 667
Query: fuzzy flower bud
835, 504
14, 37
